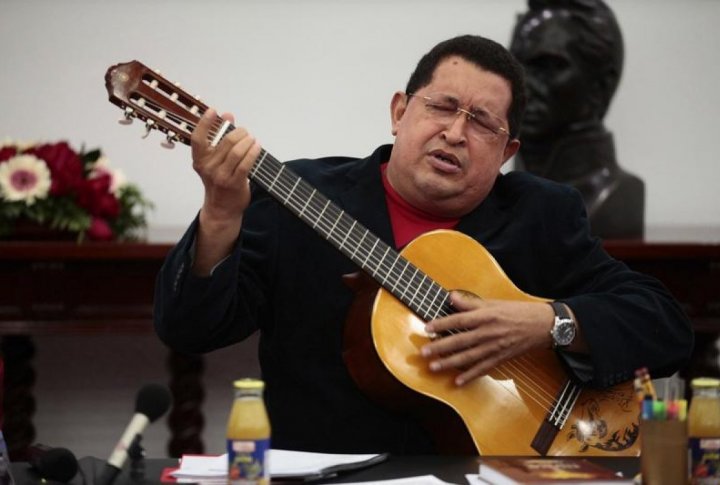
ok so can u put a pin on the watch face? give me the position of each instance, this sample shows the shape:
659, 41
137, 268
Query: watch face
564, 331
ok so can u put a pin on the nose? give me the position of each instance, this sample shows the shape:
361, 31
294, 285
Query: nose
454, 132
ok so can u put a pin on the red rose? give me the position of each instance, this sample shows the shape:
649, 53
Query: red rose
94, 195
108, 206
99, 230
6, 153
65, 166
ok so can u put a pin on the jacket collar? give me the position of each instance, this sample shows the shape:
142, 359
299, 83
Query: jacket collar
364, 196
364, 199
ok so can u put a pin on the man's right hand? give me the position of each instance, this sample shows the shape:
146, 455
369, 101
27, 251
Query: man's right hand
223, 170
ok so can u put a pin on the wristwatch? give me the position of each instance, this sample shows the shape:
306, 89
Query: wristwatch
564, 328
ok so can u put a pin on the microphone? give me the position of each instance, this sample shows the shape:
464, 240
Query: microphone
152, 401
56, 464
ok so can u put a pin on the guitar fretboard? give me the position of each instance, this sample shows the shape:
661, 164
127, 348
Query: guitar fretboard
415, 289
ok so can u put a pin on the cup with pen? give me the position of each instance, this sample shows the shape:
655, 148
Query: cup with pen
663, 431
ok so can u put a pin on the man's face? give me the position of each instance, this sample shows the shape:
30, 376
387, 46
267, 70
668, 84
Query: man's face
443, 167
559, 85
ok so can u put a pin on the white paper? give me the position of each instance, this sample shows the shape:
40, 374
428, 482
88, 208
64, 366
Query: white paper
423, 480
475, 480
282, 463
202, 466
285, 463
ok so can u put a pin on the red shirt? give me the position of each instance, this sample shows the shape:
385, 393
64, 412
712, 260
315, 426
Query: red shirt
409, 222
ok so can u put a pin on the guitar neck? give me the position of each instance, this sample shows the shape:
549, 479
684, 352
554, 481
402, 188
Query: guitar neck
144, 94
405, 281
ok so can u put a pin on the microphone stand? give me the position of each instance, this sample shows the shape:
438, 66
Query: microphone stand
136, 453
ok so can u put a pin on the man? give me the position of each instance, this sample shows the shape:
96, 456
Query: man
248, 264
572, 52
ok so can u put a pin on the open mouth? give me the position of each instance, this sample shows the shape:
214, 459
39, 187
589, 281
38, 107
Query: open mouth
446, 161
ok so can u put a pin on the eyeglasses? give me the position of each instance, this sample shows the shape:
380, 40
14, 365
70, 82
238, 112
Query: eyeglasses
444, 108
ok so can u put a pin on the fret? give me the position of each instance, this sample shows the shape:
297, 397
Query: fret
352, 256
259, 163
422, 293
221, 133
272, 184
382, 258
302, 211
411, 279
317, 220
292, 190
438, 292
347, 234
336, 221
393, 290
367, 256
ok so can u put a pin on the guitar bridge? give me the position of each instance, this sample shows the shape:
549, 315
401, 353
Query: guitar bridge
544, 438
556, 418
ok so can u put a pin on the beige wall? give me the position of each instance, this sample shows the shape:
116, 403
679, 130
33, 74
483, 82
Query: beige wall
314, 77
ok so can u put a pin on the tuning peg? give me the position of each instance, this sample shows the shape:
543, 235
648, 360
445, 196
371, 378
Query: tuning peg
170, 140
128, 116
149, 125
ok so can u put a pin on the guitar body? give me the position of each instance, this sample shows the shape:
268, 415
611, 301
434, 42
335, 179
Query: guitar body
504, 410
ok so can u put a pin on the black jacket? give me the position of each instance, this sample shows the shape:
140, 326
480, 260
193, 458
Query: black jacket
284, 280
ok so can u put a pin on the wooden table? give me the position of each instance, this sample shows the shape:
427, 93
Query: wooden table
94, 287
63, 287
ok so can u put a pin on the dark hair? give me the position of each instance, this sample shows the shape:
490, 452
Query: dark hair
484, 53
599, 42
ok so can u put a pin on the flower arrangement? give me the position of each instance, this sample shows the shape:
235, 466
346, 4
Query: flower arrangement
77, 193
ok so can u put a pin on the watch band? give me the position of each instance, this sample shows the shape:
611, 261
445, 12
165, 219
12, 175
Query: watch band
564, 329
560, 309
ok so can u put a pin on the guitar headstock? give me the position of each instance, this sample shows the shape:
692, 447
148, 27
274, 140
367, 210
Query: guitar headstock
144, 94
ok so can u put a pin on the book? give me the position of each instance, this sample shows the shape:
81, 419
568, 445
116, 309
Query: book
525, 470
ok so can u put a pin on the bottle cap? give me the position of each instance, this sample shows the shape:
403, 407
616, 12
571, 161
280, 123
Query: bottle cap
705, 382
248, 383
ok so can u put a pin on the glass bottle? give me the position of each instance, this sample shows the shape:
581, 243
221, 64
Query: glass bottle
248, 435
704, 431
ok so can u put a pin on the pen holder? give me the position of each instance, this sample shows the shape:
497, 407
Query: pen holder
664, 452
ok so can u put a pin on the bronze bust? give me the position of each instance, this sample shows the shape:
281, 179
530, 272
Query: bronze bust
572, 51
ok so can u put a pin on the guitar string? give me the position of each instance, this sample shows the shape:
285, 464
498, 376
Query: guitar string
538, 391
519, 363
284, 183
524, 366
542, 401
525, 375
530, 386
217, 123
421, 289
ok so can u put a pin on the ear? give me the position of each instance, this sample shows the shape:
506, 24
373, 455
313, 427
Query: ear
511, 149
398, 105
600, 95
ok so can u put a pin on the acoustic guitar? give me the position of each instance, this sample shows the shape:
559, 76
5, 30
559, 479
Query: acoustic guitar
526, 406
